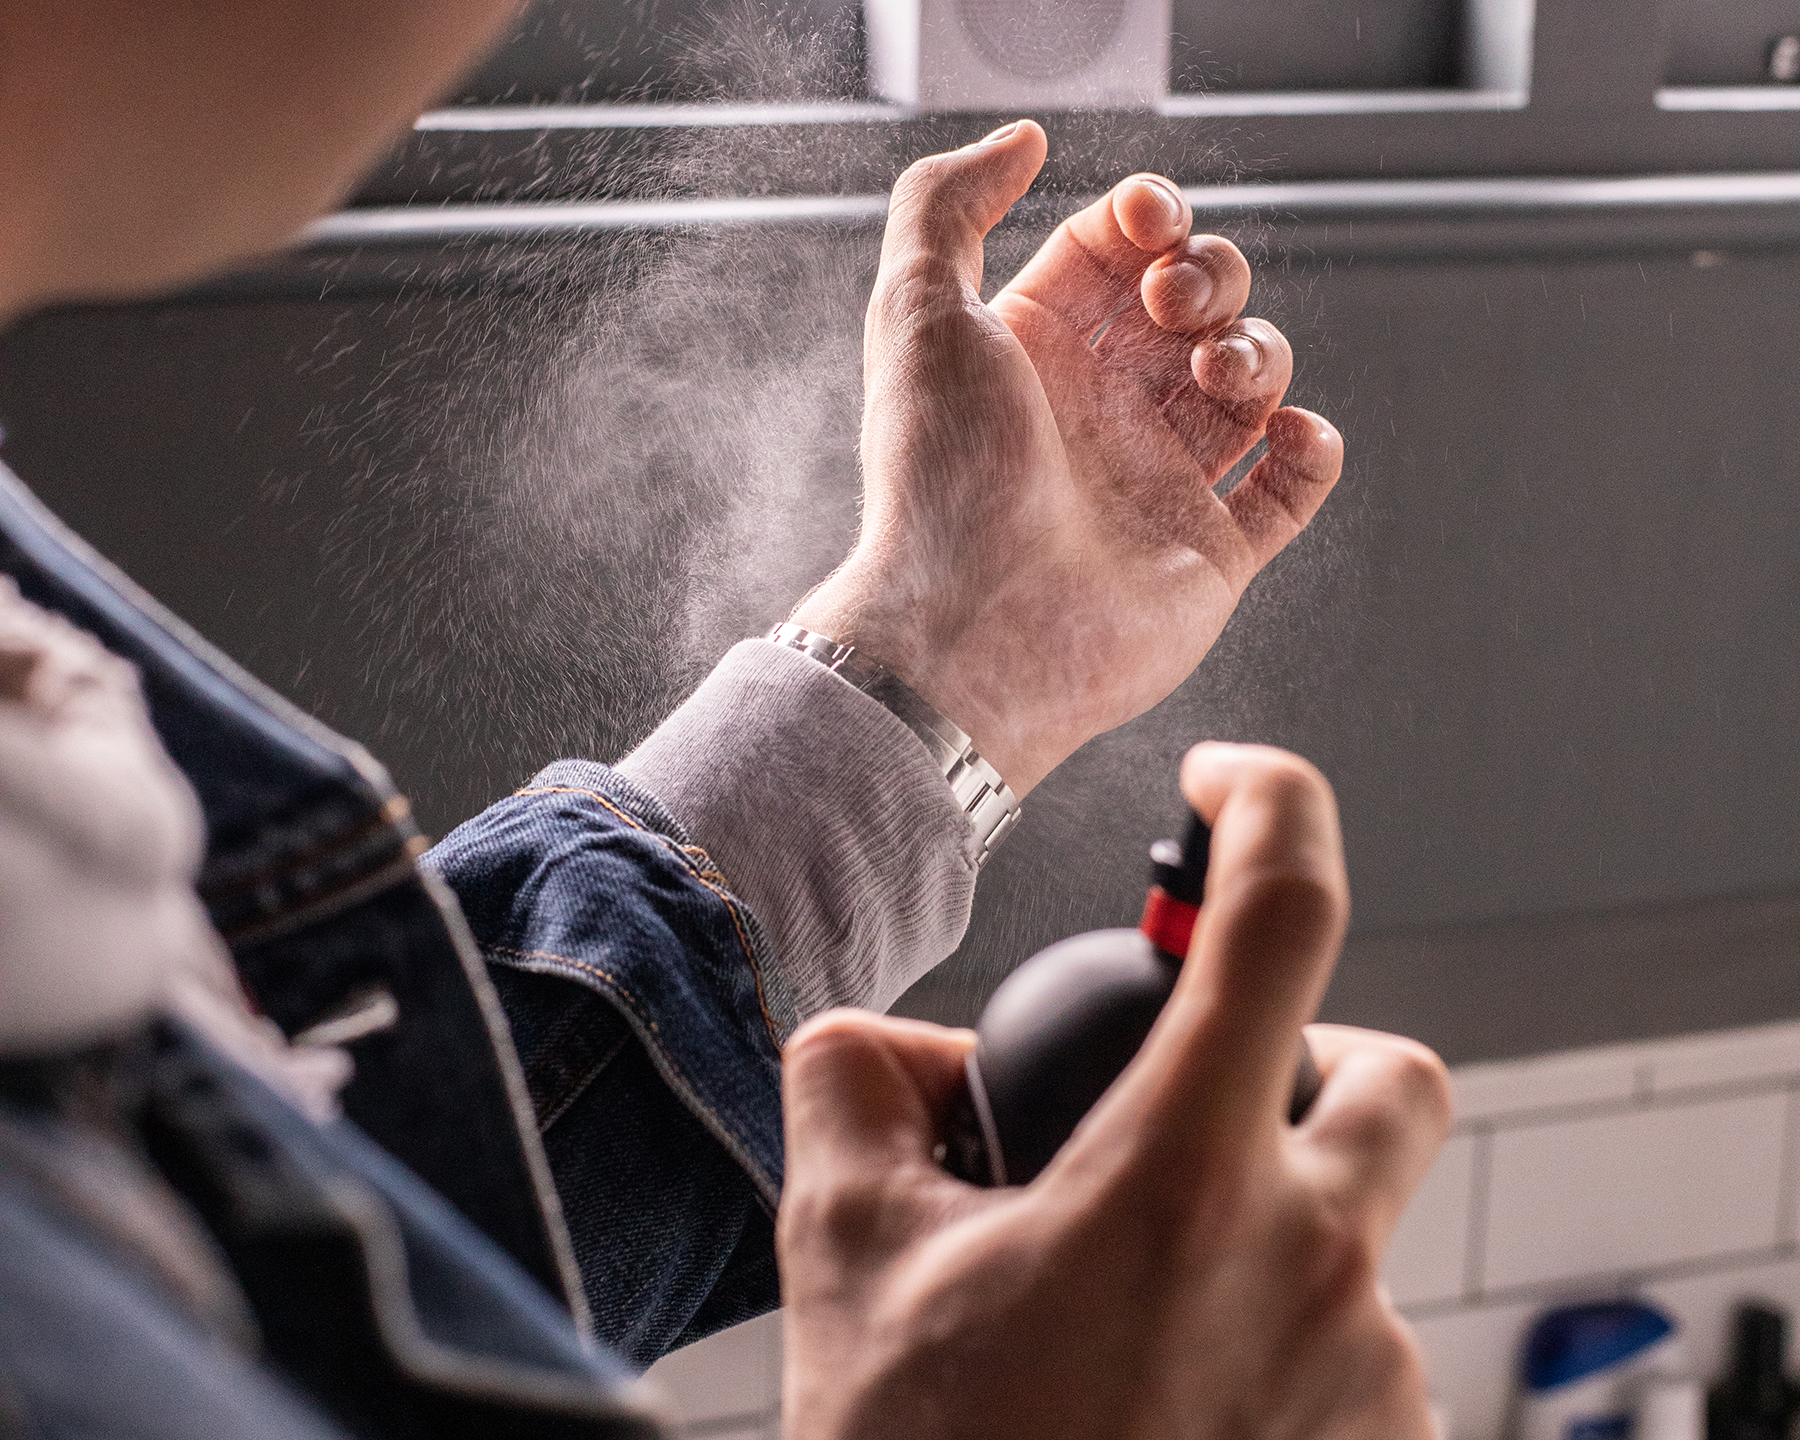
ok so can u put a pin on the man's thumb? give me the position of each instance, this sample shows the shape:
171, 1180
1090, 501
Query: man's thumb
864, 1089
944, 205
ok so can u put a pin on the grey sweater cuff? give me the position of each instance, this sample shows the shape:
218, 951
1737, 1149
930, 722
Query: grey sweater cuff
826, 817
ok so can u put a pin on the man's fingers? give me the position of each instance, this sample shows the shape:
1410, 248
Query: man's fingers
1282, 492
1192, 293
944, 205
1091, 269
1221, 406
1146, 212
861, 1094
1380, 1119
1245, 371
1219, 1064
1197, 288
1129, 226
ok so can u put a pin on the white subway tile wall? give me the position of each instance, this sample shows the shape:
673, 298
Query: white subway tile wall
1428, 1257
1665, 1169
728, 1386
1622, 1191
1545, 1082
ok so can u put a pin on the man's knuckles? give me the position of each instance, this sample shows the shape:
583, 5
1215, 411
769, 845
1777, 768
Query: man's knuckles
1395, 1110
939, 190
953, 199
915, 286
850, 1214
1416, 1084
1330, 1254
1246, 369
1215, 771
1271, 811
841, 1079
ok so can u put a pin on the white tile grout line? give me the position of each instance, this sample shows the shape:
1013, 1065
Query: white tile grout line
1605, 1282
1556, 1114
729, 1424
1481, 1165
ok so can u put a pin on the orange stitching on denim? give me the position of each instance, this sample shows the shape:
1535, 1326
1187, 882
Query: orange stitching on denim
586, 965
705, 877
731, 909
600, 974
592, 795
702, 859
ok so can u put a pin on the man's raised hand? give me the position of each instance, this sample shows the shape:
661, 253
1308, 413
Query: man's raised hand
1043, 555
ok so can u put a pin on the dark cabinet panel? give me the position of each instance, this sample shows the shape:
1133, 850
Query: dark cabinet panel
1727, 42
616, 51
612, 51
1315, 44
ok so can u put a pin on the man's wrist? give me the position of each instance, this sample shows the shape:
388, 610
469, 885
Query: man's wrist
826, 818
980, 791
887, 621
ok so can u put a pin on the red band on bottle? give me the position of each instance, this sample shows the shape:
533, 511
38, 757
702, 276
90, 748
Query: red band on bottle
1168, 922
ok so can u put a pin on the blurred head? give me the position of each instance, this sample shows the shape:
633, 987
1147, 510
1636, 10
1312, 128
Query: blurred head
144, 143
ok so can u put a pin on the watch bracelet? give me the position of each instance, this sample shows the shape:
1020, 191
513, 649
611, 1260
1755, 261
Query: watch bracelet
986, 798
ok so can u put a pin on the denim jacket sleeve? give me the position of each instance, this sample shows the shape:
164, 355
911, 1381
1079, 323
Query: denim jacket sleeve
634, 981
647, 1002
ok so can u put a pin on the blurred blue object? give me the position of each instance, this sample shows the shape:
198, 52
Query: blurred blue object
1576, 1341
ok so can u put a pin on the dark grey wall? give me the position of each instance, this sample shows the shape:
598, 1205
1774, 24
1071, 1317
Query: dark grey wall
1314, 44
1543, 639
1726, 42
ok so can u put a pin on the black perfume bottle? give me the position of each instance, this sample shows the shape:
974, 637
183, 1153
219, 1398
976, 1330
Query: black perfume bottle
1063, 1025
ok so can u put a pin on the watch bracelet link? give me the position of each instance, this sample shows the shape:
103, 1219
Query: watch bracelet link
987, 800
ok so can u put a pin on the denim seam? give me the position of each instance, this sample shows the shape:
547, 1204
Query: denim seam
645, 806
701, 858
390, 817
653, 814
578, 1087
692, 855
733, 1142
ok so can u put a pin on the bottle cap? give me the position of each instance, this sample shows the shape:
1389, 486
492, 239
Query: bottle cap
1179, 870
1177, 882
1576, 1341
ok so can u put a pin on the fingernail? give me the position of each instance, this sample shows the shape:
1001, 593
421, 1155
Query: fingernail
1251, 352
1171, 198
995, 138
1192, 283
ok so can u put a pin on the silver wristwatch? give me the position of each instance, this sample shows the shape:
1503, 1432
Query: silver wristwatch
986, 799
